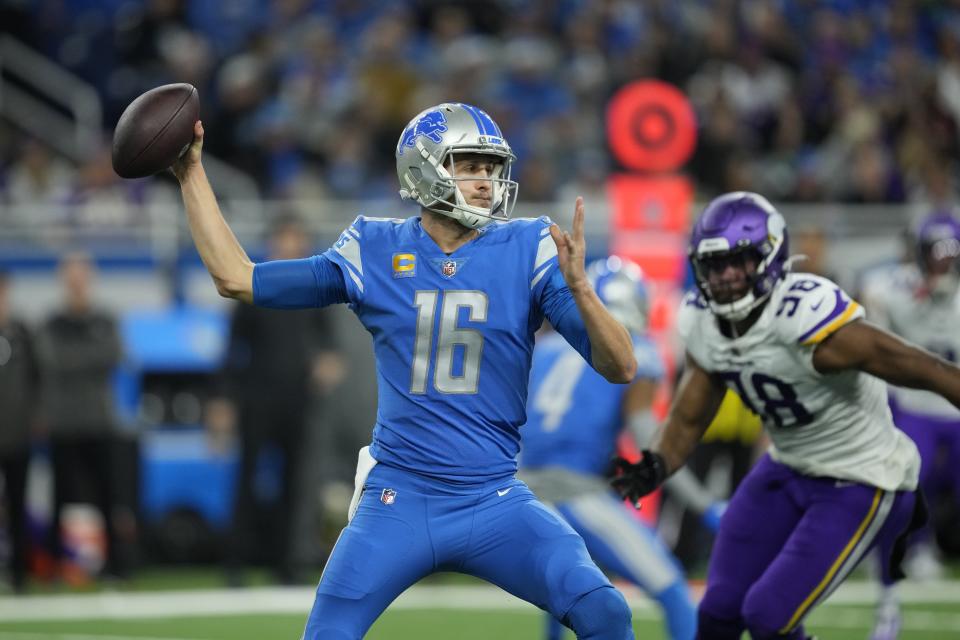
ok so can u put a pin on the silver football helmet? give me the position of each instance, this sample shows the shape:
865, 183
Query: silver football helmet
622, 288
425, 160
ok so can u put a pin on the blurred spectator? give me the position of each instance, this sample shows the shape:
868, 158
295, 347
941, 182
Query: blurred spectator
812, 243
79, 349
36, 179
719, 141
100, 200
19, 387
792, 94
278, 361
872, 177
948, 68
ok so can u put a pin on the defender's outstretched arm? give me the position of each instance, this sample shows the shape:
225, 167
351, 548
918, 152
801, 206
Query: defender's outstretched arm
695, 404
865, 346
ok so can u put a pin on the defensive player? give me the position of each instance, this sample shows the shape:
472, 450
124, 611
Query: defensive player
839, 477
574, 418
920, 302
452, 299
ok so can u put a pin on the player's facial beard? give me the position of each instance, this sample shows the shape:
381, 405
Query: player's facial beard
729, 287
730, 278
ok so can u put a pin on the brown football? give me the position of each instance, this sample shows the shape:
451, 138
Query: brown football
154, 130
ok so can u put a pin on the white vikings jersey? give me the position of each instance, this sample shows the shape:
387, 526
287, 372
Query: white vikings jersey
897, 300
836, 425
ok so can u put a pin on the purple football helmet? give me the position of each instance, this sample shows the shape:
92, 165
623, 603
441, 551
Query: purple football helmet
938, 243
735, 225
620, 284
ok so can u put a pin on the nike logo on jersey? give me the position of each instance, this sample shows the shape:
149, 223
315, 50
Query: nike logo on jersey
816, 306
503, 492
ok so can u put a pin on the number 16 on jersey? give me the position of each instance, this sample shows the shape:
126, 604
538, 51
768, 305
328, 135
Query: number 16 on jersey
449, 336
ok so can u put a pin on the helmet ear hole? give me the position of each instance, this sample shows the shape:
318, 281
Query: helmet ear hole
416, 173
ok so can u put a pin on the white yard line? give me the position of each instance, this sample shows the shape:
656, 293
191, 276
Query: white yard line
117, 605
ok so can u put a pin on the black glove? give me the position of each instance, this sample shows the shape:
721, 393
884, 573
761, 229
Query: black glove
633, 481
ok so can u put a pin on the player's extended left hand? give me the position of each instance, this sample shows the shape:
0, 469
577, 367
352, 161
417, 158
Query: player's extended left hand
572, 250
635, 480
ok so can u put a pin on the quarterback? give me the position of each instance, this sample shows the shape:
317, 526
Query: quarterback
839, 478
452, 298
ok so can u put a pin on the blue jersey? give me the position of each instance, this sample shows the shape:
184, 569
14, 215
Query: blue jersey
574, 416
453, 337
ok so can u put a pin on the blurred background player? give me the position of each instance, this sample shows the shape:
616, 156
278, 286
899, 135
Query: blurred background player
574, 418
19, 391
79, 349
920, 301
452, 299
277, 363
839, 478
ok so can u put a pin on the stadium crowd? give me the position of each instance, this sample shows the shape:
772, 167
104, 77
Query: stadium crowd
853, 101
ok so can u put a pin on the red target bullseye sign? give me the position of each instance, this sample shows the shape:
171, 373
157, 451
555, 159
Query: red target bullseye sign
651, 126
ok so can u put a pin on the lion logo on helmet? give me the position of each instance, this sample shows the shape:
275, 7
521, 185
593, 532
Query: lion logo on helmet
431, 125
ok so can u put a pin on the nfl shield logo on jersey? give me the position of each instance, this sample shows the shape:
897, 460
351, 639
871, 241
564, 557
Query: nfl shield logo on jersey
448, 268
388, 496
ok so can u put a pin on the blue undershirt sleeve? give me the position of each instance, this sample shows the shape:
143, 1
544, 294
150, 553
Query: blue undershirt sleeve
298, 284
559, 307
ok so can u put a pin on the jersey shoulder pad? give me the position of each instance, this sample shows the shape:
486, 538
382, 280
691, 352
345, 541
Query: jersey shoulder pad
346, 252
808, 308
884, 288
374, 220
365, 234
537, 234
693, 308
372, 230
890, 281
506, 230
519, 223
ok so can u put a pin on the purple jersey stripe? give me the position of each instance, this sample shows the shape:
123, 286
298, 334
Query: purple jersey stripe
838, 308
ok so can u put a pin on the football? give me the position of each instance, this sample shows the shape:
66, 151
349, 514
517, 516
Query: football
154, 130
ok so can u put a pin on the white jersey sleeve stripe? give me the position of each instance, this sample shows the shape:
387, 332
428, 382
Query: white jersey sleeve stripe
350, 250
832, 326
537, 278
356, 280
546, 250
